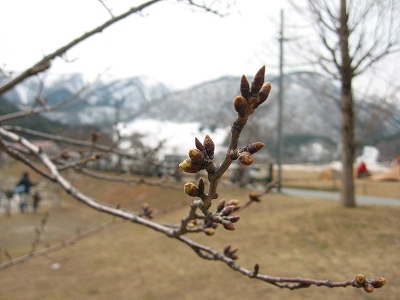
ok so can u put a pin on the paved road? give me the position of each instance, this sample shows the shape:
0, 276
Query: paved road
335, 196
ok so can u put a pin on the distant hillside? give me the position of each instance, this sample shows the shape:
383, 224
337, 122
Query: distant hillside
35, 122
311, 109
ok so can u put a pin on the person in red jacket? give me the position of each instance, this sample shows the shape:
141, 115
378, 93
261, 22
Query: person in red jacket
362, 171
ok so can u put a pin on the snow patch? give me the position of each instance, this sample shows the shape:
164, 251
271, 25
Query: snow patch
178, 137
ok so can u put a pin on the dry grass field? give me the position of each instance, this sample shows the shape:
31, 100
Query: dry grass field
311, 180
286, 236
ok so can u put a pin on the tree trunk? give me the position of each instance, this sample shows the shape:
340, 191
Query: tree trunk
348, 147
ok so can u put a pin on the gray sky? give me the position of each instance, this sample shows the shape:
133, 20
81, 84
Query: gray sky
167, 41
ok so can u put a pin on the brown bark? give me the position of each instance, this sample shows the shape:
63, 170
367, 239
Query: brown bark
346, 76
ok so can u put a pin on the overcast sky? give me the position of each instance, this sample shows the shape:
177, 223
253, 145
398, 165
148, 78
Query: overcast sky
168, 41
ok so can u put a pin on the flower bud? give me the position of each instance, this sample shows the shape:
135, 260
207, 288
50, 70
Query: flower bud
240, 104
378, 282
245, 159
209, 231
196, 156
258, 81
191, 189
201, 185
227, 210
254, 197
368, 288
221, 205
264, 92
228, 225
360, 279
209, 146
233, 219
66, 154
188, 167
256, 269
255, 147
244, 87
198, 144
191, 224
234, 202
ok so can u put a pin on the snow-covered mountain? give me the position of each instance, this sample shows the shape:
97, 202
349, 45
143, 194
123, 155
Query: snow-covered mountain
94, 103
311, 111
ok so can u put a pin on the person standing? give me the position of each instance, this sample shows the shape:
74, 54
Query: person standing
23, 188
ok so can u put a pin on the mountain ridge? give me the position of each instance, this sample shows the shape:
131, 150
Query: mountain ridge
311, 107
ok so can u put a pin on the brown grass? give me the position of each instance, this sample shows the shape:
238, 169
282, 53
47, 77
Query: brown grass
287, 236
311, 180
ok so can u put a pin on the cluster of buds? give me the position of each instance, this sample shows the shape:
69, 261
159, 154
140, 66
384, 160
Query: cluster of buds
251, 97
369, 284
146, 211
66, 154
253, 196
195, 191
224, 210
231, 253
245, 156
199, 156
96, 156
207, 226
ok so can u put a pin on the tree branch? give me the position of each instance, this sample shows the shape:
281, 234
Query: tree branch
200, 158
45, 62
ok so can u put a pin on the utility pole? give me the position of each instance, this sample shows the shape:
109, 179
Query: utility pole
280, 106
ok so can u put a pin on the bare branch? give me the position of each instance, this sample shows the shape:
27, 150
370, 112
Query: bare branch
79, 96
52, 249
107, 8
44, 63
200, 158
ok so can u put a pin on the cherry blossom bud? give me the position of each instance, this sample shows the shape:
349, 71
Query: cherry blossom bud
191, 189
198, 144
228, 225
360, 279
244, 87
201, 185
368, 288
227, 210
240, 104
234, 202
254, 197
245, 159
233, 219
209, 231
378, 282
209, 146
255, 147
66, 154
257, 81
188, 167
196, 156
191, 224
227, 248
256, 269
221, 205
264, 92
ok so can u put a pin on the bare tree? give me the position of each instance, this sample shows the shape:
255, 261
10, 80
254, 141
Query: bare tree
352, 37
200, 217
